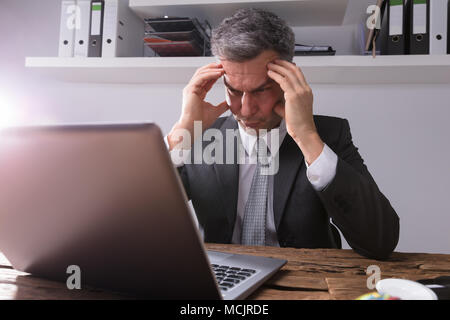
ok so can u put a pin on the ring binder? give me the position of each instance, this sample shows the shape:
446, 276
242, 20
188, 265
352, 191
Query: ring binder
438, 26
419, 26
396, 32
96, 34
67, 28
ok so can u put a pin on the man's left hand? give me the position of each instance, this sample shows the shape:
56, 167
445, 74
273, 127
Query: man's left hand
297, 107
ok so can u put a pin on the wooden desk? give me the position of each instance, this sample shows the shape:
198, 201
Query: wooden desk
309, 274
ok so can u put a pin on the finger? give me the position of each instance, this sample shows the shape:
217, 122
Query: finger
279, 109
210, 83
202, 79
216, 111
210, 69
296, 69
222, 72
201, 84
211, 66
281, 80
222, 107
286, 72
291, 72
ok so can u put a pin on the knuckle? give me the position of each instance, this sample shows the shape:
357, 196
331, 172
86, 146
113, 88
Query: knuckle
199, 69
308, 90
299, 92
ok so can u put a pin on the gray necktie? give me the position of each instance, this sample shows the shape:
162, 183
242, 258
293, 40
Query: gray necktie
254, 225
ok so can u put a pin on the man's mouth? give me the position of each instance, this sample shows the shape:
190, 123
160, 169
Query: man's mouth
251, 124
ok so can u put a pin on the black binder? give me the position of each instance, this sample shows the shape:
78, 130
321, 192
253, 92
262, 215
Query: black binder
96, 31
418, 42
394, 40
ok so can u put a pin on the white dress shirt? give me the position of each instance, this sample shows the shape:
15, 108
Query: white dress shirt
320, 173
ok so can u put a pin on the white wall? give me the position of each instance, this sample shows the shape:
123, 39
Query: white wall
401, 130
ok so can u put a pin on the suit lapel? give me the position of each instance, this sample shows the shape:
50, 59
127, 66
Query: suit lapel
291, 159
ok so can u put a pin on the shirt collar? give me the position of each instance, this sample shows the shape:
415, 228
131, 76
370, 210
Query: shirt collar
249, 140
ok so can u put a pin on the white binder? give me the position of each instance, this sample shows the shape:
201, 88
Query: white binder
438, 26
82, 33
69, 23
123, 31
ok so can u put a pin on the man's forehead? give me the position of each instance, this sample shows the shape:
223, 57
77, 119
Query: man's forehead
254, 84
255, 66
239, 72
239, 69
248, 75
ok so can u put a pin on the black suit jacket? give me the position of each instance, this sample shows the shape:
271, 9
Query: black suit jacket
302, 214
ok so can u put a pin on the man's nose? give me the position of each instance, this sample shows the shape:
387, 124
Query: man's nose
248, 106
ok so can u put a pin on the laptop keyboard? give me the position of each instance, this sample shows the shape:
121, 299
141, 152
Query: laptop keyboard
228, 277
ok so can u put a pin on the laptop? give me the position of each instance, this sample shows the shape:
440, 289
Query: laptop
108, 200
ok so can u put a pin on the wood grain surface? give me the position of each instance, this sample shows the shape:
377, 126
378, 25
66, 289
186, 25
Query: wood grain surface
311, 274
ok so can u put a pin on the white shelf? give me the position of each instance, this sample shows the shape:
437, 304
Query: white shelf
295, 12
318, 70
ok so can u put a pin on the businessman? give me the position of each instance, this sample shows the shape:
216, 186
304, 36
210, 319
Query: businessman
321, 182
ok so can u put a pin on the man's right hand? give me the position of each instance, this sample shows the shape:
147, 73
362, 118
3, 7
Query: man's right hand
195, 108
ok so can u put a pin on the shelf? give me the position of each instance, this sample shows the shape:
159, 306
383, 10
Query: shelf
295, 12
318, 70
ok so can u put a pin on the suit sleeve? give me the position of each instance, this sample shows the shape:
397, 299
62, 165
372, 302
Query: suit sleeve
356, 205
179, 165
185, 180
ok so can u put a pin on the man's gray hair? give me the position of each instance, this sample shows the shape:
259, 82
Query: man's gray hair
249, 32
